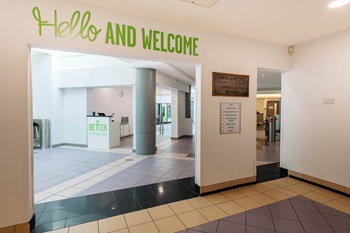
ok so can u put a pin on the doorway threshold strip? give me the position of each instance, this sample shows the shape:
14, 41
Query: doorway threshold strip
295, 215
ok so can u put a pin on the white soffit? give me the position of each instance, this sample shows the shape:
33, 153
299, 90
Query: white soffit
205, 3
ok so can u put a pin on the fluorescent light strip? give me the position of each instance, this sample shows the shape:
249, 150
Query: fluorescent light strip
338, 3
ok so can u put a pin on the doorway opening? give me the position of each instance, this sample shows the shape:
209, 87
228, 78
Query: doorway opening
268, 124
68, 87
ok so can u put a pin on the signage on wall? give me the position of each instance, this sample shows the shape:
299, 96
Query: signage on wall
235, 85
230, 118
80, 26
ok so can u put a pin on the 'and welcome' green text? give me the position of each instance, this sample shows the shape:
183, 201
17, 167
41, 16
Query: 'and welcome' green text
125, 35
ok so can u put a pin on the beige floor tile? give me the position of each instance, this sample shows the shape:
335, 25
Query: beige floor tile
121, 231
281, 183
327, 193
192, 218
263, 199
292, 180
144, 228
112, 224
91, 227
297, 189
217, 198
287, 180
170, 225
138, 217
277, 195
248, 191
247, 203
159, 212
271, 185
200, 202
344, 200
181, 207
212, 213
233, 194
307, 186
261, 187
231, 207
339, 206
317, 197
287, 192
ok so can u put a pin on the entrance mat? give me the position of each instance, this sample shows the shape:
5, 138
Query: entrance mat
295, 215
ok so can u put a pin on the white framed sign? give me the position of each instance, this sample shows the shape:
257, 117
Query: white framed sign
230, 118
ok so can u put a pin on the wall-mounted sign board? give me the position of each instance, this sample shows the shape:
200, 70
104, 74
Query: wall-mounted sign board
234, 85
230, 118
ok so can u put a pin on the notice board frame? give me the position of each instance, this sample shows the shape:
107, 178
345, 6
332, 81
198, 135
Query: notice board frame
230, 85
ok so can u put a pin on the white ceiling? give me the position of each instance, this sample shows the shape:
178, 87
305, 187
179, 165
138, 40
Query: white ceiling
282, 22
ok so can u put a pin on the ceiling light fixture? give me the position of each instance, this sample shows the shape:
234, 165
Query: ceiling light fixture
338, 3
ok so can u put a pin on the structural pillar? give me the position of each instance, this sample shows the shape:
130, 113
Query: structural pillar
145, 111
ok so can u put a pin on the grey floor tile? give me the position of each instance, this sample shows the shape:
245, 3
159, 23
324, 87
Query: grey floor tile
303, 205
251, 229
314, 228
287, 226
283, 212
229, 227
311, 217
260, 221
338, 221
208, 227
265, 210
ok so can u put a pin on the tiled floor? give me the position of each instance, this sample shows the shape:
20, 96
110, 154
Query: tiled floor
59, 174
266, 152
283, 205
78, 210
65, 172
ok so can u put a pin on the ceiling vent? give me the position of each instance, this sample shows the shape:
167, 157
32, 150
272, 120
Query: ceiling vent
205, 3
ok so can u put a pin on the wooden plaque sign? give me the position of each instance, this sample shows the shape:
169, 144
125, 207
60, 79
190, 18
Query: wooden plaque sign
230, 85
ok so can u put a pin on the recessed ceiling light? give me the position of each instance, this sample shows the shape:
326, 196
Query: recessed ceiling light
338, 3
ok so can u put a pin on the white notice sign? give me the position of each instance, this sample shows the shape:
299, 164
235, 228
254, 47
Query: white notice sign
230, 119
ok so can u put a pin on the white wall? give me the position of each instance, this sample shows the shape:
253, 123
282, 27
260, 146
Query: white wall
57, 117
218, 157
164, 99
316, 135
42, 85
97, 77
108, 101
75, 105
233, 156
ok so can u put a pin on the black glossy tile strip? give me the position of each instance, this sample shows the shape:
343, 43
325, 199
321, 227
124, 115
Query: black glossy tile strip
270, 172
73, 211
295, 215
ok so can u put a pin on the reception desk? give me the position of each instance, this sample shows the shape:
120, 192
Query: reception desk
103, 132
